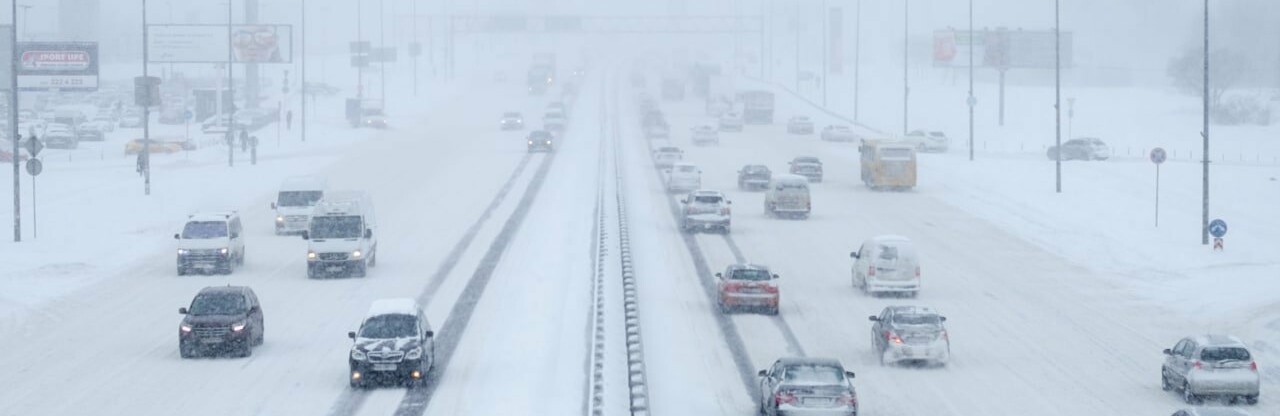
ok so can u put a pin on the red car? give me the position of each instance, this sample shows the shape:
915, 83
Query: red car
748, 286
7, 157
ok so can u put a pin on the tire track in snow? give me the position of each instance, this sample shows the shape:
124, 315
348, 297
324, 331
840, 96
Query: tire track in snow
350, 401
793, 343
415, 401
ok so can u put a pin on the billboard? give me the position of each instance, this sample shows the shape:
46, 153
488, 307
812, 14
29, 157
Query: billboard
262, 43
71, 66
999, 48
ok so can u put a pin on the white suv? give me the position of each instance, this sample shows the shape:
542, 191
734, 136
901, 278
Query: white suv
683, 177
705, 210
211, 242
297, 198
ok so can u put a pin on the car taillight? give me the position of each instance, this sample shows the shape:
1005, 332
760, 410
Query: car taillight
784, 398
1253, 365
871, 270
892, 337
733, 287
847, 400
917, 271
1197, 364
724, 211
770, 289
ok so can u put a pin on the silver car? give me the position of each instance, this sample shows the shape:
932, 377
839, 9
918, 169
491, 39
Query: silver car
807, 386
1210, 366
910, 334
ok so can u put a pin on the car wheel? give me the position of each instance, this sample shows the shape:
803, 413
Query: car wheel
182, 271
361, 269
1252, 400
1164, 381
1188, 396
226, 267
373, 258
185, 352
355, 384
246, 350
262, 335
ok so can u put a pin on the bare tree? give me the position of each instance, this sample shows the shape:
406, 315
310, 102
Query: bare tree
1227, 68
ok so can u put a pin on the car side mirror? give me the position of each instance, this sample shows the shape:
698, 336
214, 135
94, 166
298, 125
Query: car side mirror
775, 276
273, 205
720, 275
684, 200
183, 311
351, 334
368, 233
853, 254
306, 235
763, 373
728, 202
873, 318
1168, 351
177, 236
430, 334
849, 374
942, 318
235, 235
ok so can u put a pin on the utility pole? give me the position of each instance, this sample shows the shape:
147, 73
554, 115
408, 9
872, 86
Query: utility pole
303, 120
1205, 136
906, 88
231, 92
360, 44
146, 109
13, 121
1057, 94
972, 101
382, 45
796, 26
26, 8
418, 51
857, 55
826, 72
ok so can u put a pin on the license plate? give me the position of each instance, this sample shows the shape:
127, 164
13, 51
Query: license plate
910, 352
816, 401
211, 340
752, 290
384, 367
334, 268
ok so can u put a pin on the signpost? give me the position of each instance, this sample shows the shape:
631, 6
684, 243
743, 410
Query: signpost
34, 167
1218, 229
1158, 156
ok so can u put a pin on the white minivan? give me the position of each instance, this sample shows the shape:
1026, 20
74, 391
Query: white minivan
887, 264
295, 201
342, 236
787, 196
210, 242
683, 177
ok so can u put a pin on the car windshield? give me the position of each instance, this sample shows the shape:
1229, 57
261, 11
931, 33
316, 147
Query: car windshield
335, 226
1224, 354
814, 373
892, 253
195, 230
686, 169
218, 304
916, 319
707, 199
389, 326
300, 198
755, 275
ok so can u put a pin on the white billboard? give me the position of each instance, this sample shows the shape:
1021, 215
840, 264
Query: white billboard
264, 43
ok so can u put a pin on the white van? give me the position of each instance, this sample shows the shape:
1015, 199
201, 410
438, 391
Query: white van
886, 264
210, 242
295, 201
342, 235
787, 195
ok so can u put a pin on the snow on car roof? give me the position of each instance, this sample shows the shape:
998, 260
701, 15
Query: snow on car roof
890, 238
913, 310
748, 266
1218, 340
706, 192
211, 216
790, 178
393, 306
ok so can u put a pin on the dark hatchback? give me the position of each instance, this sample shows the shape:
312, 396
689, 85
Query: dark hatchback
221, 320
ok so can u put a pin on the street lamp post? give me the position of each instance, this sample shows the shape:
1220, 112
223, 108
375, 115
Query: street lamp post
26, 8
972, 101
1057, 94
303, 119
146, 109
857, 54
13, 121
1204, 212
231, 92
906, 87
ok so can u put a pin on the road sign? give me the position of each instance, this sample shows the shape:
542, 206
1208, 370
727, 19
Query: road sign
33, 146
34, 167
188, 115
1158, 155
1217, 228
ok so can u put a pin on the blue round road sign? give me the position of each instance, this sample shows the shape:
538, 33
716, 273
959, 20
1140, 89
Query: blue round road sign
1158, 155
1217, 228
188, 115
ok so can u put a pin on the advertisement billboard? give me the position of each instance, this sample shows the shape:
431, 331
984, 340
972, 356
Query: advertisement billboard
1000, 48
68, 66
260, 43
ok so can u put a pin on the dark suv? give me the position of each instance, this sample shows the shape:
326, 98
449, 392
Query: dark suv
395, 343
540, 141
222, 319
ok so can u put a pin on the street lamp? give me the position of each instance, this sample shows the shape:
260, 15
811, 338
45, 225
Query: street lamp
1204, 212
906, 88
1057, 93
972, 101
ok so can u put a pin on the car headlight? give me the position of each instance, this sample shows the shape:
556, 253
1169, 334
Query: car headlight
311, 255
238, 326
531, 142
184, 328
183, 252
358, 355
414, 354
356, 254
279, 218
222, 251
